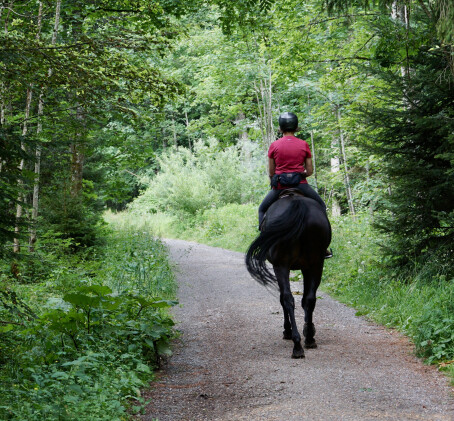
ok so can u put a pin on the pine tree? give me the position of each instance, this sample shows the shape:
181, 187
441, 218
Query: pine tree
415, 129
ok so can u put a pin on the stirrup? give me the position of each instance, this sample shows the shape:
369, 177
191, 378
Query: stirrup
329, 253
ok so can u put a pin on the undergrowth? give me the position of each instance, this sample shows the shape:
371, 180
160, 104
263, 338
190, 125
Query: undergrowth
79, 341
232, 227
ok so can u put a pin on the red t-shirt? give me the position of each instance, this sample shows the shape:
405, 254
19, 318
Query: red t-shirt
289, 154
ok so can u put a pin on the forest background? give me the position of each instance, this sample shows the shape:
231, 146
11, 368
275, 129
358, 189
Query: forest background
163, 111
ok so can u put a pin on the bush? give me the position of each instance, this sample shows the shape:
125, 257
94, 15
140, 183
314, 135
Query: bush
192, 181
232, 226
78, 219
413, 133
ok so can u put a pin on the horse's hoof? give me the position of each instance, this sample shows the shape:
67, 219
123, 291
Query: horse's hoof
298, 354
298, 351
310, 345
287, 335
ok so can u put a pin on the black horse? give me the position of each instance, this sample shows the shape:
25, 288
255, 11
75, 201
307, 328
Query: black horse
295, 235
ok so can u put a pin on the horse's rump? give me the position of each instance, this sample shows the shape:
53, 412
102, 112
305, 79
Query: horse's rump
291, 224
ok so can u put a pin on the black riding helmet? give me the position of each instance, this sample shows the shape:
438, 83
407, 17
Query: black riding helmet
288, 122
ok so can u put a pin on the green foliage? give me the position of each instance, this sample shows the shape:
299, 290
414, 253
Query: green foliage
190, 182
71, 80
92, 313
434, 334
144, 266
413, 131
96, 338
242, 12
162, 224
445, 25
232, 226
123, 81
74, 219
13, 310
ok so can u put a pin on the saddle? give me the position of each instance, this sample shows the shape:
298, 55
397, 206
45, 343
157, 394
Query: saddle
290, 192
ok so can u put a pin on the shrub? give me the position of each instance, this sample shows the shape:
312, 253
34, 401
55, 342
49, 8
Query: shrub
192, 181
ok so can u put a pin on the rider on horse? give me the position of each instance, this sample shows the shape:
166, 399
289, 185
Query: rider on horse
289, 163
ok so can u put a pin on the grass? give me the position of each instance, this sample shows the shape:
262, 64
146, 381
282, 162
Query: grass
160, 224
232, 226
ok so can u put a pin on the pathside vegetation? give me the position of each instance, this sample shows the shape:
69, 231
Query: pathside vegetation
85, 342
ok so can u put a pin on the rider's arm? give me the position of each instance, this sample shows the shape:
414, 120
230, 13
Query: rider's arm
271, 166
309, 168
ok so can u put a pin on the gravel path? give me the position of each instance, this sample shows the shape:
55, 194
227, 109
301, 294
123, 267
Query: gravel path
230, 362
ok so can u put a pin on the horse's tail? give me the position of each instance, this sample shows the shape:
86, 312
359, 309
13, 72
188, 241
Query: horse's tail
284, 230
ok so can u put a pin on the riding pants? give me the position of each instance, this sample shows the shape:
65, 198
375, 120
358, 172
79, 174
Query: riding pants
273, 195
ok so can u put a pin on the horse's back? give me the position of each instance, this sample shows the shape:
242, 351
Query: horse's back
310, 211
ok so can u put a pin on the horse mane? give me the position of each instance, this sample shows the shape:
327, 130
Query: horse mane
285, 230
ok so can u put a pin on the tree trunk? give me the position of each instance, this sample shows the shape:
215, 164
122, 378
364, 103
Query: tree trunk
9, 8
2, 115
269, 92
335, 208
2, 85
21, 197
164, 138
187, 128
2, 91
2, 104
335, 167
77, 156
313, 161
259, 107
399, 12
174, 130
313, 151
264, 94
77, 166
239, 121
344, 159
35, 209
34, 220
371, 203
77, 146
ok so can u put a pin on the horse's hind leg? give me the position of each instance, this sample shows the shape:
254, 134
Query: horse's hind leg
287, 334
311, 282
288, 305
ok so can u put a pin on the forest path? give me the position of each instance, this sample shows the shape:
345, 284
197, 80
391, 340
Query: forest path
230, 362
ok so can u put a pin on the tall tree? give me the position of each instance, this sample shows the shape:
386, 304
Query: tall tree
414, 129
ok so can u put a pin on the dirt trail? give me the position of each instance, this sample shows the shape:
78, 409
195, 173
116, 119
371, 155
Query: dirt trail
231, 363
